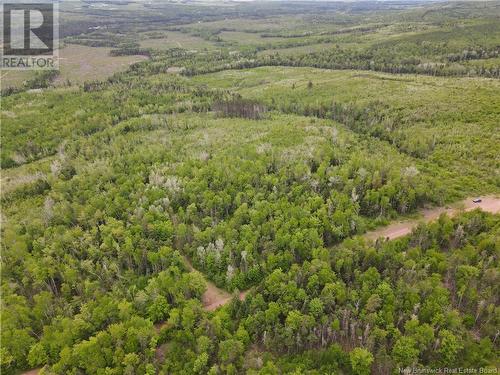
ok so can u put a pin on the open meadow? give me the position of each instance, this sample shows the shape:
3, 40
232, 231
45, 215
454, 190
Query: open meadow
77, 64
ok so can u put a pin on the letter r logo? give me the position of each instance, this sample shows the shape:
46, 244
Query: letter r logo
28, 29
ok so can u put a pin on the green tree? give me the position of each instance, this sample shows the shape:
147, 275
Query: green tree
361, 361
448, 348
405, 353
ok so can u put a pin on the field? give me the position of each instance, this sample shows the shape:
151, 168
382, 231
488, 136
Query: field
175, 39
256, 188
81, 63
243, 38
297, 50
77, 64
14, 78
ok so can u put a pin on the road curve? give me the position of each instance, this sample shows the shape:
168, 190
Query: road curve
398, 229
215, 297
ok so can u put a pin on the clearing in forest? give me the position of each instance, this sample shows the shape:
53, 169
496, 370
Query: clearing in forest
77, 64
213, 297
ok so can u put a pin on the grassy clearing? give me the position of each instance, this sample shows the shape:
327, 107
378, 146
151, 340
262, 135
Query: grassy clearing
77, 64
14, 78
245, 38
15, 178
298, 50
260, 25
81, 63
176, 39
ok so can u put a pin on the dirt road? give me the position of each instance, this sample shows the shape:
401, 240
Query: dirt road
35, 371
214, 296
213, 301
398, 229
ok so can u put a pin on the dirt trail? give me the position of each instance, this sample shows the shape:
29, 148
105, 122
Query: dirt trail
212, 302
35, 371
401, 228
214, 296
212, 299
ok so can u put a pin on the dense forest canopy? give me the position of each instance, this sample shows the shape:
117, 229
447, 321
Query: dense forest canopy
204, 210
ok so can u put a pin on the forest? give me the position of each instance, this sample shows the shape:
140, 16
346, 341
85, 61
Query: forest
206, 209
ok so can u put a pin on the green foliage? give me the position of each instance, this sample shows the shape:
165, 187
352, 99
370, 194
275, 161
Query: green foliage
111, 190
361, 361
